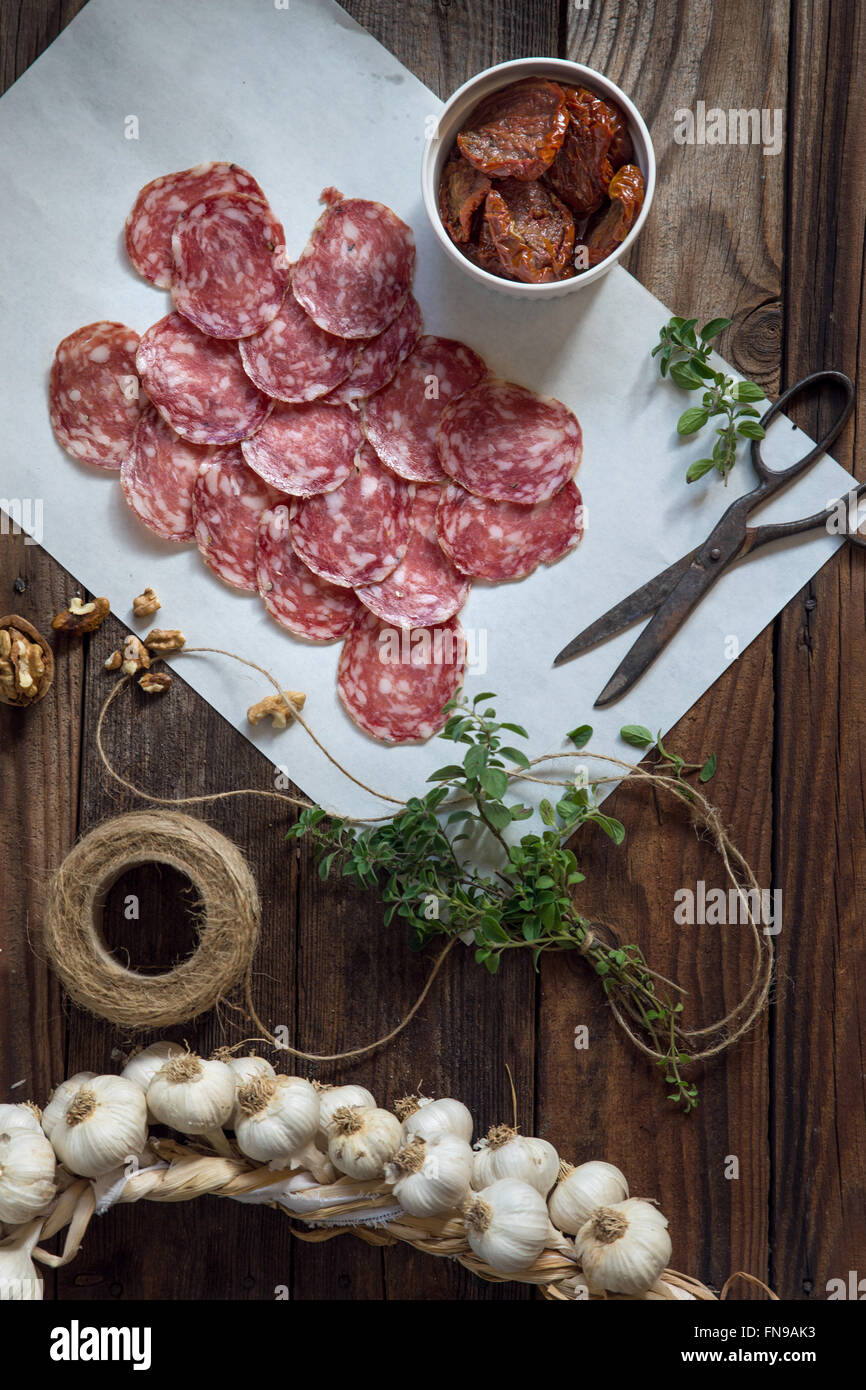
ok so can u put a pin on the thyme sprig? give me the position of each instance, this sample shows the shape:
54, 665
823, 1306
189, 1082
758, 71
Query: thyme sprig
684, 356
528, 900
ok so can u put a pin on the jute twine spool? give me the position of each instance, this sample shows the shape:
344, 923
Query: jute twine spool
227, 922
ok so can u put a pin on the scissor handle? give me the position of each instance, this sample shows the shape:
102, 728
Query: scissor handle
774, 477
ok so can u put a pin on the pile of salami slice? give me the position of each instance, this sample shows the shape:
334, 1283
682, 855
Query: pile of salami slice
294, 421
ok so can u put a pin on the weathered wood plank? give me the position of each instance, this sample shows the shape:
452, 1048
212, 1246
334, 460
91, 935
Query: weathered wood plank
818, 1210
712, 245
41, 751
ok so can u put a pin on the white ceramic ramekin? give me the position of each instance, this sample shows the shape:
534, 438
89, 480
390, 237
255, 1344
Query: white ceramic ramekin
453, 117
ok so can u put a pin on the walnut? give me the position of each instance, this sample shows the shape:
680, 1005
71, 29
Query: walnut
145, 604
275, 707
154, 682
26, 662
134, 656
163, 639
113, 662
81, 617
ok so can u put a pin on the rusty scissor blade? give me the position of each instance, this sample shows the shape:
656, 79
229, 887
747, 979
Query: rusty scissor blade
639, 604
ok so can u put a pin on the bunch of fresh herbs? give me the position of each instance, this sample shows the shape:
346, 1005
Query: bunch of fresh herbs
684, 353
528, 900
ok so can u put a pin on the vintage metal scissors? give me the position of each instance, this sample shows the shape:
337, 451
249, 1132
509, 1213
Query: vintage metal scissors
674, 593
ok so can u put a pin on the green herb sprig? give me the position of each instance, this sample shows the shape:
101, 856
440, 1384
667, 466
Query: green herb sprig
527, 902
684, 356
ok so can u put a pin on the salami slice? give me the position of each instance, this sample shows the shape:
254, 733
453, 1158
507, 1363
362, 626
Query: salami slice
394, 682
198, 383
158, 477
381, 356
401, 421
308, 606
359, 533
356, 270
425, 588
502, 540
159, 204
94, 396
227, 504
508, 444
293, 359
305, 449
230, 267
517, 131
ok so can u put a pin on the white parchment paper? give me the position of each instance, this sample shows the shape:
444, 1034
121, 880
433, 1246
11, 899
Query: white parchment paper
303, 97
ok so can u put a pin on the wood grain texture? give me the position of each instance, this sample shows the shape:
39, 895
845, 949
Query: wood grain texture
786, 721
818, 1134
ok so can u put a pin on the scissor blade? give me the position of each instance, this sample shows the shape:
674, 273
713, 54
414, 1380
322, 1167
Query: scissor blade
637, 605
669, 618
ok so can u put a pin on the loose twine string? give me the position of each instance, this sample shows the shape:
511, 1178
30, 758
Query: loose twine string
190, 1174
712, 1039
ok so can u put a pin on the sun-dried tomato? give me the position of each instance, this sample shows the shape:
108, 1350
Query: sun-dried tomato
532, 231
611, 227
621, 148
582, 170
462, 190
516, 132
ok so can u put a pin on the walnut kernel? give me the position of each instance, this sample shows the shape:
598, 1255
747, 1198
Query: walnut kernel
163, 639
276, 708
134, 656
154, 682
113, 662
145, 604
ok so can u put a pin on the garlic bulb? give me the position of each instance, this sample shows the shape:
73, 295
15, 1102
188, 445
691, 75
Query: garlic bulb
432, 1119
19, 1280
96, 1122
27, 1165
245, 1069
143, 1066
361, 1142
334, 1098
194, 1097
24, 1116
507, 1154
507, 1225
623, 1248
430, 1179
276, 1117
590, 1185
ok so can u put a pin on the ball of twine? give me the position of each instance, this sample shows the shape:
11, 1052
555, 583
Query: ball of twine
227, 922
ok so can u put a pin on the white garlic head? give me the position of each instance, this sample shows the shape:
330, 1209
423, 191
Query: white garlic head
96, 1122
20, 1280
23, 1116
623, 1248
334, 1098
276, 1117
507, 1225
143, 1066
590, 1185
192, 1095
507, 1154
245, 1068
362, 1141
27, 1166
431, 1178
433, 1119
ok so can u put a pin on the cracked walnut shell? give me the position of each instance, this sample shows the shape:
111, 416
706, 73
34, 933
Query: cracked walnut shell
275, 708
26, 663
81, 617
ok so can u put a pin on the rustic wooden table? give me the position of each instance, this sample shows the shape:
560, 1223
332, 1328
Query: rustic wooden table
777, 243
